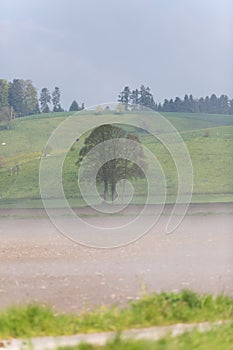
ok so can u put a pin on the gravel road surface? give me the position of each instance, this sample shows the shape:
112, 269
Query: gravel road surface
38, 264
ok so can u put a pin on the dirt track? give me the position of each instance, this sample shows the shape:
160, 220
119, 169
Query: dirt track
39, 264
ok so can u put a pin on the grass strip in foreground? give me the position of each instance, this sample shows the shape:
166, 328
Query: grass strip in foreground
152, 310
220, 338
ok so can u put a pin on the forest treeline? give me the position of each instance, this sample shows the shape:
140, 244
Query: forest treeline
20, 98
209, 104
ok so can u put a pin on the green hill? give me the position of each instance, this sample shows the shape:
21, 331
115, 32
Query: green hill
209, 139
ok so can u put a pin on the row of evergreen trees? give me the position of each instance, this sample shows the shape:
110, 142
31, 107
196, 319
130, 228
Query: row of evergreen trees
21, 97
46, 98
211, 105
143, 97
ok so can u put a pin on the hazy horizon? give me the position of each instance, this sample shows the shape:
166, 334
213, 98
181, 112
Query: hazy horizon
91, 50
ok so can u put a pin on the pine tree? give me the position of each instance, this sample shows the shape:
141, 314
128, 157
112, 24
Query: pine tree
186, 104
56, 96
16, 97
165, 107
146, 98
30, 98
134, 98
171, 107
124, 97
201, 104
213, 107
74, 106
207, 104
177, 105
223, 104
45, 99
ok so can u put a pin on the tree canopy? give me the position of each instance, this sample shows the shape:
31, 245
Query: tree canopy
22, 97
117, 168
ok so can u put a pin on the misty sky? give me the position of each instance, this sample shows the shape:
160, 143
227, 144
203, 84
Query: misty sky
91, 49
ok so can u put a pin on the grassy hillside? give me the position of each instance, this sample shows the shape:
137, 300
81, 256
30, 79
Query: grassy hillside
209, 139
190, 121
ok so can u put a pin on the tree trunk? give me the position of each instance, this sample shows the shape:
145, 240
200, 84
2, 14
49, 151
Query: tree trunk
124, 180
113, 190
105, 190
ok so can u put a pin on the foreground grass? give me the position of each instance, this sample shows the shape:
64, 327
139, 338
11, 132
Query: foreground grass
152, 310
220, 338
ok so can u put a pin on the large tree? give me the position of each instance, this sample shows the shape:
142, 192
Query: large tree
23, 97
113, 170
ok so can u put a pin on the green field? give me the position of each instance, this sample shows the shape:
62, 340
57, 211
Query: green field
209, 139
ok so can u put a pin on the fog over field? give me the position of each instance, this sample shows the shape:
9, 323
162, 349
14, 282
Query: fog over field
116, 164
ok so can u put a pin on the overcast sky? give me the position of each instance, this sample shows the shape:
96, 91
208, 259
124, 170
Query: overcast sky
91, 49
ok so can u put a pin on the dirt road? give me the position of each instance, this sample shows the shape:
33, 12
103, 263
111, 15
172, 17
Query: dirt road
39, 264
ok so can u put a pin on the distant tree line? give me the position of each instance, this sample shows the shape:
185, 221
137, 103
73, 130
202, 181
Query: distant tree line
211, 105
19, 98
144, 98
